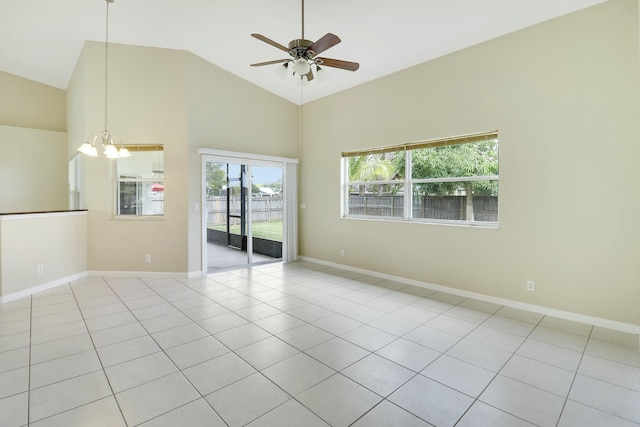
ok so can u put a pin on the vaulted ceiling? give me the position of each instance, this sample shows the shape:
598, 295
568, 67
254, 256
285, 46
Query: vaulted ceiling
42, 39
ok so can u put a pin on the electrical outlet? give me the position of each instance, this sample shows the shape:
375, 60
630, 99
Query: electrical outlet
341, 252
531, 285
147, 258
40, 268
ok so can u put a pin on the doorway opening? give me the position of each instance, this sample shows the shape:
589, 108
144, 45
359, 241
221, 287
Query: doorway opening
247, 215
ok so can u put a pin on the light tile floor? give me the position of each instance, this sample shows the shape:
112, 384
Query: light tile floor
221, 257
302, 345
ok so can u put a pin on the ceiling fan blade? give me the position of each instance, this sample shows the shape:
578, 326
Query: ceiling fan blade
337, 63
277, 61
324, 43
269, 41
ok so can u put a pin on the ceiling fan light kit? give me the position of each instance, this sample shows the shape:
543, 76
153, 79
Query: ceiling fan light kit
301, 66
304, 53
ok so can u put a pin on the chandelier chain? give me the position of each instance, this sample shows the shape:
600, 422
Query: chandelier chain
106, 66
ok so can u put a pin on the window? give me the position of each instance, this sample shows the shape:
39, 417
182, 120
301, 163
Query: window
140, 182
452, 180
74, 183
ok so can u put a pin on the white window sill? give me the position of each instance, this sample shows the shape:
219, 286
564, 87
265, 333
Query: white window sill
138, 218
489, 225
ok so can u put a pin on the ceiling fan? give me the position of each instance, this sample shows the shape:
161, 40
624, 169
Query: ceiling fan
304, 53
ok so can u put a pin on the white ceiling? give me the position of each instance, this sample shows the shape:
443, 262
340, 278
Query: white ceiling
42, 39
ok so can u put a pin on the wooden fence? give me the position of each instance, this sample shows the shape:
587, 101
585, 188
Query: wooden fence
485, 208
265, 209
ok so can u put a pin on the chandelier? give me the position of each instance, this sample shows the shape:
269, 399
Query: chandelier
104, 138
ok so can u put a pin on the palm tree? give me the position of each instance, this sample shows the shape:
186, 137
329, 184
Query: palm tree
370, 167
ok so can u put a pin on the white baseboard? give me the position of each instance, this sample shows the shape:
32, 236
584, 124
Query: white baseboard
55, 283
195, 274
591, 320
576, 317
66, 280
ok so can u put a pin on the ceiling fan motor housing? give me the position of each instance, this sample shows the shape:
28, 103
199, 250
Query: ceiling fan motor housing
298, 48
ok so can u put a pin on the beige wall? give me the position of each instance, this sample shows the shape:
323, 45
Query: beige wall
228, 113
147, 105
57, 242
160, 96
29, 104
565, 97
33, 170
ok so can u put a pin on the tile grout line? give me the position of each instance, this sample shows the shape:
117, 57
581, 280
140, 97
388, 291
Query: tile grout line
291, 397
259, 371
477, 399
389, 313
29, 374
55, 358
539, 323
163, 350
512, 353
405, 304
280, 287
416, 373
98, 354
374, 352
575, 375
300, 351
150, 336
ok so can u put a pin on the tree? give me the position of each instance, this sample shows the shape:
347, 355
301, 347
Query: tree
456, 161
216, 178
275, 186
254, 188
371, 167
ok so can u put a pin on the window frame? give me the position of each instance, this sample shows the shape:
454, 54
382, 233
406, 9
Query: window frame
138, 180
408, 181
74, 182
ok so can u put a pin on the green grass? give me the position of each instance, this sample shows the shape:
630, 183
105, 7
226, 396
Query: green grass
264, 230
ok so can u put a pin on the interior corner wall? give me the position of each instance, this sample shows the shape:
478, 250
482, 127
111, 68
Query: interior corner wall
29, 104
76, 111
147, 105
33, 170
565, 97
228, 113
33, 167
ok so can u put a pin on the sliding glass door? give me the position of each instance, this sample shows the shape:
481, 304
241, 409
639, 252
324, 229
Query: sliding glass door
244, 212
267, 217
